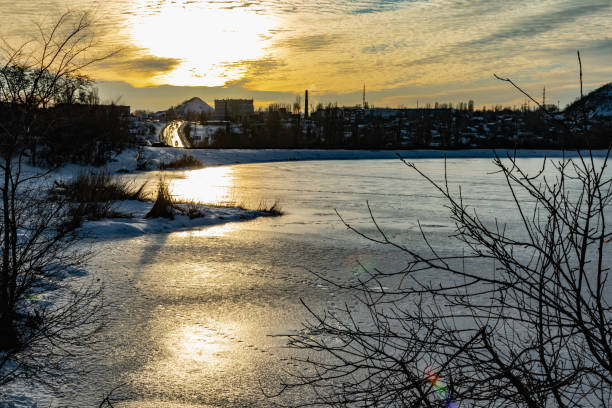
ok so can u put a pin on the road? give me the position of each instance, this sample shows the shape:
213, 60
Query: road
173, 134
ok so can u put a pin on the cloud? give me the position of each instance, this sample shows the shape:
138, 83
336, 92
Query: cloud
133, 68
404, 48
385, 48
530, 26
149, 65
308, 43
256, 68
525, 43
369, 7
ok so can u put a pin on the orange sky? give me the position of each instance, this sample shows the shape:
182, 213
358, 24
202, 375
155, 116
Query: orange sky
404, 51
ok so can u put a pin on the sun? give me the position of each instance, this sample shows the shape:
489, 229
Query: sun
213, 41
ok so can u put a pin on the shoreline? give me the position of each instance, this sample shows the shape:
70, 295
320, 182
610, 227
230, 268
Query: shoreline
126, 160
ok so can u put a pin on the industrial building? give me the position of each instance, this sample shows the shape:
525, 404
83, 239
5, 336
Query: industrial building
232, 109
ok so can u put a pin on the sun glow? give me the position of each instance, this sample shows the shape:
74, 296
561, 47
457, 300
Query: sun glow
198, 344
212, 43
212, 185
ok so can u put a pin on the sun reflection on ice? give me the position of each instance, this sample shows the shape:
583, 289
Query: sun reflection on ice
213, 185
214, 231
196, 344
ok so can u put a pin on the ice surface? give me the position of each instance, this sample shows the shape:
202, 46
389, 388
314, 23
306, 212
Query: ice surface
219, 157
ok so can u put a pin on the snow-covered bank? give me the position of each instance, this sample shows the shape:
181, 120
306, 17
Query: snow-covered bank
218, 157
138, 224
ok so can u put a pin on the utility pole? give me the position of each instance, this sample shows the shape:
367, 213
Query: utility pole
306, 105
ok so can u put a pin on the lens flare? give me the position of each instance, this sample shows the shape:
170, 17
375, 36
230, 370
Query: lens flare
441, 388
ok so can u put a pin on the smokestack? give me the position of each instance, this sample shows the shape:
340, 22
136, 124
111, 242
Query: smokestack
364, 101
306, 107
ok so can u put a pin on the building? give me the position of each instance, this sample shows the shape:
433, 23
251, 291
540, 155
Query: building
231, 109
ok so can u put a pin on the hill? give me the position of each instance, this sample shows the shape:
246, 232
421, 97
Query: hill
193, 105
598, 103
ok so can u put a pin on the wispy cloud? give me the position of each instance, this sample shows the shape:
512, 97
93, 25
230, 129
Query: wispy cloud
367, 7
399, 48
146, 66
385, 48
528, 27
308, 43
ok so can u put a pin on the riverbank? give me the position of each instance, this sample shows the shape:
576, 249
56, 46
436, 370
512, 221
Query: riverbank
135, 223
153, 156
195, 314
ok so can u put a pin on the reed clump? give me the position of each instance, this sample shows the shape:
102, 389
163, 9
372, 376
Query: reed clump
272, 208
92, 195
164, 205
99, 186
186, 161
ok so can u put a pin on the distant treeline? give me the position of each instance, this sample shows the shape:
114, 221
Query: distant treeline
79, 133
54, 116
437, 126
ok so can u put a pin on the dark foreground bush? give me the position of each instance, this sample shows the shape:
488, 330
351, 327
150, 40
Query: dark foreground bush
186, 161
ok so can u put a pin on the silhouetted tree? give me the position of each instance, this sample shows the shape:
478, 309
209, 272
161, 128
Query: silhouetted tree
522, 319
37, 239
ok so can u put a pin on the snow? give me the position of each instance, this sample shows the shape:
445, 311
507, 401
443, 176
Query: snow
194, 105
52, 291
17, 401
159, 126
602, 111
139, 225
200, 132
148, 130
598, 103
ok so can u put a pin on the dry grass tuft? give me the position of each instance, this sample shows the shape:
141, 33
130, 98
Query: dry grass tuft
95, 187
91, 195
192, 209
264, 206
186, 161
273, 208
163, 206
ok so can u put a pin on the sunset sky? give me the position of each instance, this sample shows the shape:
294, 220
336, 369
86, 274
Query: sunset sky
272, 50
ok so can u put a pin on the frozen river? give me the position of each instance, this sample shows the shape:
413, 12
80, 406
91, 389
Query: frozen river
192, 311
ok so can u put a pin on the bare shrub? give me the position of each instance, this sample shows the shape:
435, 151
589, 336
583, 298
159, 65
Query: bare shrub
47, 315
99, 186
93, 195
522, 318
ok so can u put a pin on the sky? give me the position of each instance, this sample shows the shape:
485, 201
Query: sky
403, 51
